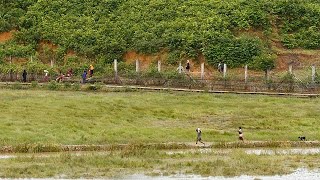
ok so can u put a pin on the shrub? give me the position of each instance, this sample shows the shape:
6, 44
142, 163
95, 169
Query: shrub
16, 85
34, 84
76, 86
53, 85
67, 85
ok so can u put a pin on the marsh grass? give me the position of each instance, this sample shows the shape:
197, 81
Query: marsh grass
125, 162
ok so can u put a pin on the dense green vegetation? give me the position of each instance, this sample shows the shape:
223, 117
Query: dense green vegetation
104, 30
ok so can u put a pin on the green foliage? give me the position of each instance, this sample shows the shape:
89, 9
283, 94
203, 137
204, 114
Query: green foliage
10, 68
67, 85
36, 67
263, 62
288, 78
232, 52
12, 49
16, 85
53, 85
76, 86
11, 11
102, 31
34, 84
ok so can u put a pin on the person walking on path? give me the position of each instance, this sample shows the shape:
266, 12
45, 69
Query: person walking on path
91, 68
46, 75
84, 76
188, 66
199, 136
220, 67
240, 134
24, 76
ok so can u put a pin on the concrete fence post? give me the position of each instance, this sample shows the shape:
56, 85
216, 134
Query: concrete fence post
224, 70
246, 74
115, 66
137, 65
313, 73
290, 68
202, 71
159, 66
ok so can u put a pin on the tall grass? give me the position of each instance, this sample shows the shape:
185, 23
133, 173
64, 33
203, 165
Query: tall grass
152, 162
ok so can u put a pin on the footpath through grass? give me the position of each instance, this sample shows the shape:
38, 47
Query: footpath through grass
65, 117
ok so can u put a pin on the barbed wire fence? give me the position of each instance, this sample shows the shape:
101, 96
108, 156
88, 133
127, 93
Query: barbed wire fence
300, 79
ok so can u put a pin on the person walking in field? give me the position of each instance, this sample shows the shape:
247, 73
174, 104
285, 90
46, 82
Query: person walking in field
199, 136
240, 134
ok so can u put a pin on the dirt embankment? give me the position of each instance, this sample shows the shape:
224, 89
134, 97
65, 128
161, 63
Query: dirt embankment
5, 36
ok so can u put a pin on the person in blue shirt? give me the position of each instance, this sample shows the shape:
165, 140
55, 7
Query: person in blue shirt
84, 76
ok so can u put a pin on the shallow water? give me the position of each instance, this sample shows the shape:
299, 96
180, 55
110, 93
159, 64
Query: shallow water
299, 174
291, 151
7, 156
276, 151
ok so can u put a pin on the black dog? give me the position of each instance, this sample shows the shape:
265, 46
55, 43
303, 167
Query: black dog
302, 138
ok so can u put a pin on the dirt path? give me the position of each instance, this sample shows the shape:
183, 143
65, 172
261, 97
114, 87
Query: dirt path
40, 148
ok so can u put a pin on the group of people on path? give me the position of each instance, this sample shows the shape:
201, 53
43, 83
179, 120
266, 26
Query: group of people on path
199, 132
84, 74
180, 68
61, 75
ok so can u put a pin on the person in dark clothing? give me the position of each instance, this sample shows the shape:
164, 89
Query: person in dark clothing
24, 76
84, 76
188, 66
240, 134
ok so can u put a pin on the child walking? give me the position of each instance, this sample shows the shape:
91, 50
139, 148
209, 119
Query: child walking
199, 136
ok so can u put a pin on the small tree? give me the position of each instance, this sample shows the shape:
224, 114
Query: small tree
264, 62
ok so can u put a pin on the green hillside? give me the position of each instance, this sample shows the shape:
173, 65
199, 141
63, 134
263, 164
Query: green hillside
106, 29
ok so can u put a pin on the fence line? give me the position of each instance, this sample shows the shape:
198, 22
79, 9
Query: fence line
229, 79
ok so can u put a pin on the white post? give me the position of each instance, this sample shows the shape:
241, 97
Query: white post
31, 58
268, 74
202, 70
159, 65
246, 73
115, 66
180, 69
224, 70
313, 73
137, 65
290, 68
52, 64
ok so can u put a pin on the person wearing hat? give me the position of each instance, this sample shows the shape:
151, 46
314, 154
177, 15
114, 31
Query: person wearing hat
91, 68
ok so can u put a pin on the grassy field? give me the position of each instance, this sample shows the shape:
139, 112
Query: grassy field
65, 117
109, 118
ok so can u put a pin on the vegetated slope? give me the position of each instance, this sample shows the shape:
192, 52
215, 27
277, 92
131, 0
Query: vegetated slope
106, 29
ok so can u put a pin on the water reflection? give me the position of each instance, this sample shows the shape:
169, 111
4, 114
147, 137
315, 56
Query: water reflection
299, 174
